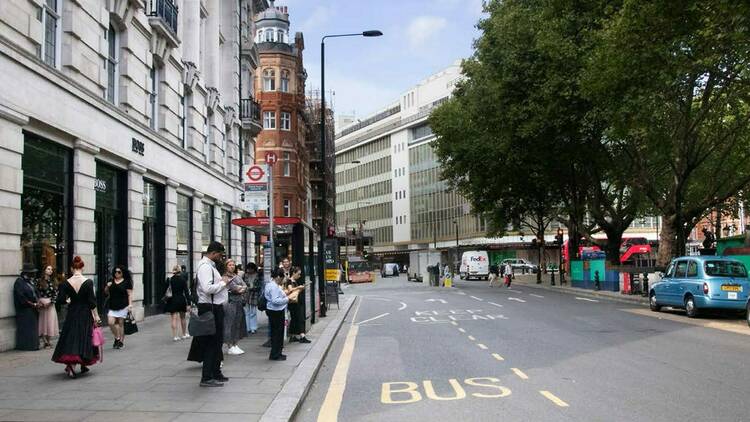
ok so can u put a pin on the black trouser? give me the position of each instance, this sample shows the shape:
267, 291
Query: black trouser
276, 321
211, 345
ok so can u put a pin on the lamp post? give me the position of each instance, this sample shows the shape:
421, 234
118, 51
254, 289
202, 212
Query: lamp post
323, 224
455, 224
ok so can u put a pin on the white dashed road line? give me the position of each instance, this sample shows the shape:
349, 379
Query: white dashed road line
586, 299
553, 398
519, 373
482, 346
539, 296
472, 338
477, 298
497, 356
374, 318
517, 299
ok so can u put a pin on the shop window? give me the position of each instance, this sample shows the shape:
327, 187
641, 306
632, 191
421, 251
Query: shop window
207, 225
184, 232
46, 237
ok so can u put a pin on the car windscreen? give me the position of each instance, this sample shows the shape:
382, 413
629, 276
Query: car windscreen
725, 269
359, 266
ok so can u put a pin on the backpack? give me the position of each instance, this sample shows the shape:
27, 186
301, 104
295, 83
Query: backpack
262, 301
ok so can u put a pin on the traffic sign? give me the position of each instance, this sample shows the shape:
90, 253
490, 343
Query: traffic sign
271, 157
255, 173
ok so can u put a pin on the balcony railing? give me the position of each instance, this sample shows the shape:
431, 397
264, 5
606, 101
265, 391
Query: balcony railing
249, 109
166, 10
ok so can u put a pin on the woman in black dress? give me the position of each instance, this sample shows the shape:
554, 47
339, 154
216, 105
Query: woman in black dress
120, 292
25, 299
177, 303
296, 310
75, 344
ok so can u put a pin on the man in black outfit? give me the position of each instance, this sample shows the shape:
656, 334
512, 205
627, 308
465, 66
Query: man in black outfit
212, 294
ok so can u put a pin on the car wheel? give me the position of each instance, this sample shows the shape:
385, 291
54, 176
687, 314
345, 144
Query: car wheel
747, 313
690, 308
653, 304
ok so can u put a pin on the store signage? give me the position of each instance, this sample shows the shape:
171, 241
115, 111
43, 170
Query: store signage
138, 147
331, 259
100, 185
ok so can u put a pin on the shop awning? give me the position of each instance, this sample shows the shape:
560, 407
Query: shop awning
260, 224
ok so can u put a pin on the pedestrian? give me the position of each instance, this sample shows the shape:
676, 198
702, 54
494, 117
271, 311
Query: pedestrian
119, 291
286, 266
494, 276
235, 327
508, 274
75, 345
212, 293
254, 289
27, 304
46, 290
293, 289
277, 303
176, 302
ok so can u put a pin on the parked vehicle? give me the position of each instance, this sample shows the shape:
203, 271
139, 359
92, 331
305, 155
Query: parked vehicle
475, 264
696, 283
389, 269
520, 265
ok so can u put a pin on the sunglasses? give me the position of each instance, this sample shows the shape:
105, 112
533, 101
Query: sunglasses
118, 272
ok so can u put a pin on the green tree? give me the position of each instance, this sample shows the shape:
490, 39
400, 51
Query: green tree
671, 81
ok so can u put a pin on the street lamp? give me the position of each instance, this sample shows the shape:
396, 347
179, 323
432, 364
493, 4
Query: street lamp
323, 223
455, 223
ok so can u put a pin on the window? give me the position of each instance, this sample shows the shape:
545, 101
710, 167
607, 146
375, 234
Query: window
725, 269
280, 36
421, 131
207, 225
112, 65
286, 160
206, 139
692, 270
269, 35
154, 97
184, 231
184, 106
269, 80
284, 81
287, 208
286, 120
226, 231
50, 15
681, 269
269, 120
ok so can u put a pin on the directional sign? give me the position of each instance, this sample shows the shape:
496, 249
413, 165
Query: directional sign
271, 157
255, 201
255, 173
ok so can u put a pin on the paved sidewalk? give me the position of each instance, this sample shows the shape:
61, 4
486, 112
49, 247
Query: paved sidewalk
150, 379
530, 281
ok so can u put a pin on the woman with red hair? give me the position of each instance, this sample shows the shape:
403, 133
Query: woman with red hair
75, 346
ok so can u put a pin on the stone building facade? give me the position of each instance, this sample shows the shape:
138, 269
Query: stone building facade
280, 88
123, 128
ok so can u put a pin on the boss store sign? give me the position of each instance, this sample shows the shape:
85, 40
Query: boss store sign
138, 147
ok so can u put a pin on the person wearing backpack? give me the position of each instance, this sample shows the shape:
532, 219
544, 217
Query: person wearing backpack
212, 293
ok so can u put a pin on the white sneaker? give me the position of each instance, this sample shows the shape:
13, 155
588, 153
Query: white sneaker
186, 336
176, 339
238, 350
233, 351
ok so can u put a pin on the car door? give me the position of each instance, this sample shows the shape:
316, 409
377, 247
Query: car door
661, 289
691, 283
676, 283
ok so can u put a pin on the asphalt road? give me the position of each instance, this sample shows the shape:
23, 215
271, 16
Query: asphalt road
416, 353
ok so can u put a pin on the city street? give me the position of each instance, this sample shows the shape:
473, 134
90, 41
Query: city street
417, 353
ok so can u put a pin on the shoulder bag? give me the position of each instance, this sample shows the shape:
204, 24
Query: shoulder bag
168, 294
203, 324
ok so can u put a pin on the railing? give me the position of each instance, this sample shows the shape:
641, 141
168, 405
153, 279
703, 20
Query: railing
249, 109
166, 10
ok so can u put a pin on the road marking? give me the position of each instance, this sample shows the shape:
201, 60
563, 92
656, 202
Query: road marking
497, 356
482, 346
539, 296
379, 298
462, 330
477, 298
517, 299
403, 306
436, 300
454, 323
519, 373
461, 293
586, 299
553, 398
374, 318
329, 411
495, 304
471, 338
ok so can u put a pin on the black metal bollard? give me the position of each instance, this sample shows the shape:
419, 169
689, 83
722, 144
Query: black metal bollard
597, 282
645, 285
552, 278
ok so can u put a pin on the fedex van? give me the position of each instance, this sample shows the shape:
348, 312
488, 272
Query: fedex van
475, 264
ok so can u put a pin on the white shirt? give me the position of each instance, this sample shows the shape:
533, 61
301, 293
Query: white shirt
210, 283
277, 299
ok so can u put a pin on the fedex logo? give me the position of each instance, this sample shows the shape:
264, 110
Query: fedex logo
478, 258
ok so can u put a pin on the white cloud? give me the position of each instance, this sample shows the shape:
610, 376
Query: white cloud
422, 28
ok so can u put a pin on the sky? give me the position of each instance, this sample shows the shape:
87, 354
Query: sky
421, 37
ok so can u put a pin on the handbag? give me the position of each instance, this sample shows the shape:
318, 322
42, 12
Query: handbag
168, 293
97, 340
130, 326
201, 325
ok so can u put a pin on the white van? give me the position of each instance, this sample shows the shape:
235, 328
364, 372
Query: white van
475, 264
